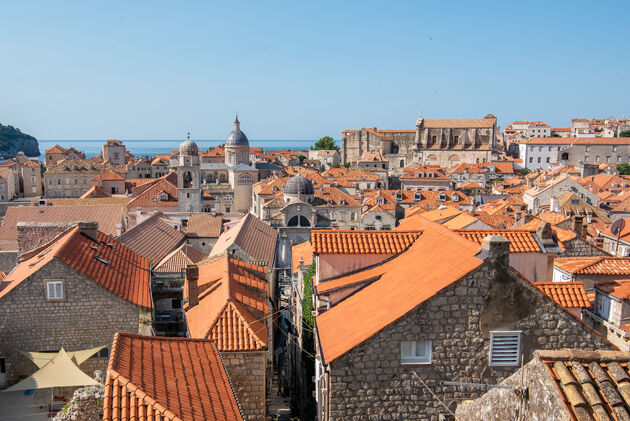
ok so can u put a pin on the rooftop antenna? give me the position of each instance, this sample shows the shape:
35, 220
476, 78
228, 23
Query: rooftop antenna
188, 136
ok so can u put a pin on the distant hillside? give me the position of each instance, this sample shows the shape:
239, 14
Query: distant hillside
12, 141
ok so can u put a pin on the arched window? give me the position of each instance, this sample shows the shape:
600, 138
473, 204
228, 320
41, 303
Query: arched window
187, 180
245, 179
402, 163
565, 156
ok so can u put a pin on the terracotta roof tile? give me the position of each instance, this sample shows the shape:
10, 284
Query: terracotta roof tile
145, 199
401, 284
520, 241
253, 236
153, 238
106, 262
438, 123
179, 259
565, 294
107, 216
592, 384
204, 225
174, 379
228, 289
594, 265
361, 242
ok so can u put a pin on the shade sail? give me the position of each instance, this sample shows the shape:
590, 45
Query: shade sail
60, 371
43, 358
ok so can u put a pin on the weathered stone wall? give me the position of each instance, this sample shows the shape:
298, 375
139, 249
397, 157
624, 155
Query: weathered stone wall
8, 260
369, 382
247, 371
88, 317
580, 247
86, 405
543, 402
34, 234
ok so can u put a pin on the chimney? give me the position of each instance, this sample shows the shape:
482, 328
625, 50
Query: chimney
578, 225
138, 214
89, 228
545, 234
191, 291
497, 251
118, 230
528, 218
553, 204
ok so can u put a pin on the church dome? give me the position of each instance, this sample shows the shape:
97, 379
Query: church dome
236, 136
298, 185
188, 147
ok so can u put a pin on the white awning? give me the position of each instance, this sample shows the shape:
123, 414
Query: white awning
42, 358
60, 371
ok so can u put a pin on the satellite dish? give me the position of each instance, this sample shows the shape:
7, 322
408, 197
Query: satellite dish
617, 226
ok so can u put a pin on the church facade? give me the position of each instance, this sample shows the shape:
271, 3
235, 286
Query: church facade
443, 142
221, 187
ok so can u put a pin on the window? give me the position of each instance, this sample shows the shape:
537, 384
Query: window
454, 198
103, 353
456, 139
441, 197
607, 159
377, 217
415, 352
597, 159
50, 181
588, 148
59, 181
32, 179
614, 149
54, 290
505, 348
539, 160
618, 159
602, 304
531, 159
433, 139
417, 197
586, 158
76, 181
547, 160
353, 216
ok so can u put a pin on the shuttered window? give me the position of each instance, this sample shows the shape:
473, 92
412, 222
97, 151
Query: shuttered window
54, 290
505, 348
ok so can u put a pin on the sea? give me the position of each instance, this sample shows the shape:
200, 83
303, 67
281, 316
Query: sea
139, 148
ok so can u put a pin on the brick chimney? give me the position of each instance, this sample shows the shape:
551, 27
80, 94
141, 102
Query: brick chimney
89, 228
578, 225
191, 291
497, 251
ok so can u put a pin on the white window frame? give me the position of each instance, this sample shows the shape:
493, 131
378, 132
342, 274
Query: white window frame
58, 292
412, 358
507, 360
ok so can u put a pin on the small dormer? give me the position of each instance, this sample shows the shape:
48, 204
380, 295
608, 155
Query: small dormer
454, 198
342, 202
163, 196
399, 197
379, 201
417, 197
615, 184
441, 197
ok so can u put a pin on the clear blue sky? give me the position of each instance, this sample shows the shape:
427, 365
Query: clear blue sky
304, 69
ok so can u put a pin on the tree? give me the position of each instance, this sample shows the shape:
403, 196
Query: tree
325, 143
624, 169
301, 158
624, 133
523, 172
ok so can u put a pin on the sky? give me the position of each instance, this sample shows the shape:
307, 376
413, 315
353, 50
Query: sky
304, 69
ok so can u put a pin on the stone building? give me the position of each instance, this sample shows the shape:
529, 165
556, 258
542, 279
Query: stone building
7, 184
443, 142
27, 174
114, 151
74, 292
412, 322
58, 153
72, 178
227, 300
148, 167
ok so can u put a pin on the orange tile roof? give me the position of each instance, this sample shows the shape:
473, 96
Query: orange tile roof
204, 225
441, 213
302, 251
498, 220
175, 379
553, 218
55, 150
117, 268
520, 241
471, 185
145, 199
565, 294
178, 259
402, 284
618, 288
228, 288
460, 221
361, 242
594, 265
109, 175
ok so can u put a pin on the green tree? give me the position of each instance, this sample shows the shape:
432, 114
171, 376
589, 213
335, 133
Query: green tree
624, 169
325, 143
308, 342
523, 172
624, 133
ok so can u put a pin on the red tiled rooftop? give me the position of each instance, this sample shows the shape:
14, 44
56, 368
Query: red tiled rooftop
565, 294
176, 379
594, 265
520, 241
361, 242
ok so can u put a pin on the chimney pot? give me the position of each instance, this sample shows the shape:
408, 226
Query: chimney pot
118, 230
497, 249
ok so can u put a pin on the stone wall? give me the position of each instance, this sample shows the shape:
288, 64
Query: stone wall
34, 234
543, 401
8, 260
87, 317
247, 371
580, 247
369, 382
